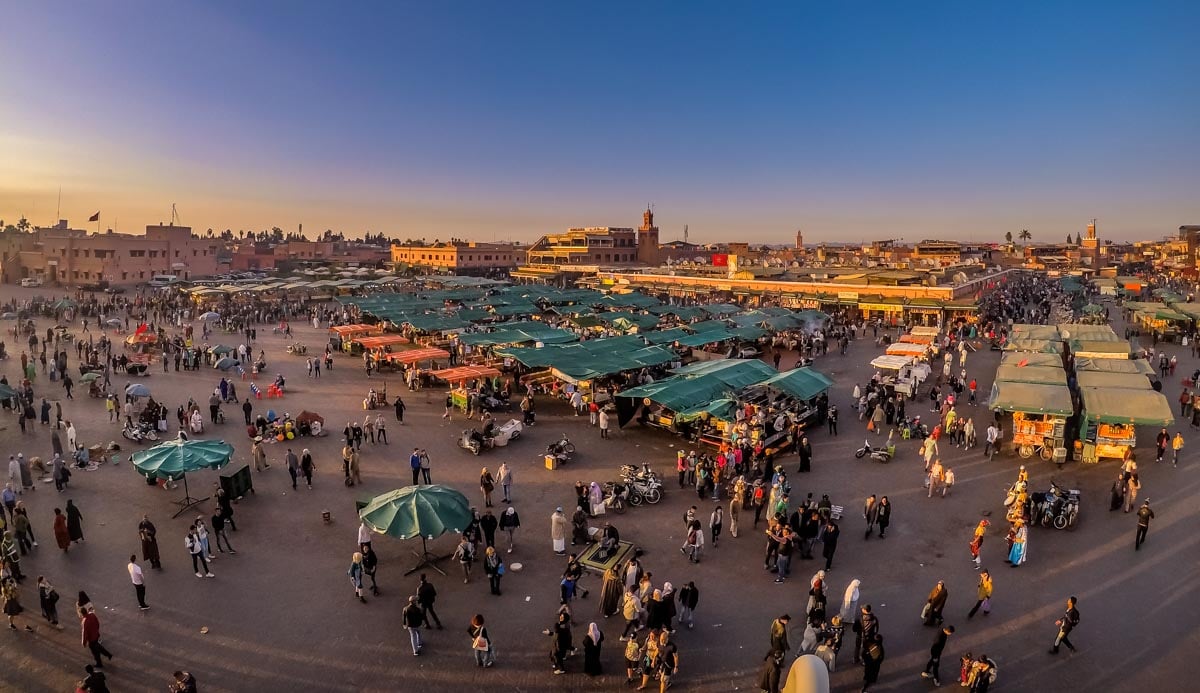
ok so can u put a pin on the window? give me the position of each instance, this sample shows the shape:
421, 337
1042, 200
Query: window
137, 253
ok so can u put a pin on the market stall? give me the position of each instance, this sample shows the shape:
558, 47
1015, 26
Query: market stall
1110, 417
907, 349
1139, 366
1020, 358
910, 372
1039, 412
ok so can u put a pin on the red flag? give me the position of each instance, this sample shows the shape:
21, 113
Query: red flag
94, 217
142, 328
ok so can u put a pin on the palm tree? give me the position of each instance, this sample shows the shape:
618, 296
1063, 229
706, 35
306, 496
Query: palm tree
1025, 235
23, 225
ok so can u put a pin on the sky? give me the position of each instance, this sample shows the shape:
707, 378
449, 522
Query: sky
506, 121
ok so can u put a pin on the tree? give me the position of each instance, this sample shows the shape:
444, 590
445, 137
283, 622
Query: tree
1068, 239
1008, 236
1025, 235
23, 224
1078, 239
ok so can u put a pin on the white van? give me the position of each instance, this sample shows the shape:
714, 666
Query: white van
163, 280
31, 282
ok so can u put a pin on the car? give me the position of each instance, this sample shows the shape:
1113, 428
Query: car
31, 282
114, 290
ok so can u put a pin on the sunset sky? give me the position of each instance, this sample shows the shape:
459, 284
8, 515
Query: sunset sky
852, 121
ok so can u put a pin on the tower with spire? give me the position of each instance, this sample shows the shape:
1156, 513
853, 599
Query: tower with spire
799, 239
647, 239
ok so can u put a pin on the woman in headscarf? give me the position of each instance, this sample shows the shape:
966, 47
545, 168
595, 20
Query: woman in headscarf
509, 522
849, 610
591, 650
61, 535
611, 591
595, 497
668, 598
1020, 543
936, 603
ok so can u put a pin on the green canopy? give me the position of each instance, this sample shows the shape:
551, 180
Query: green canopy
1042, 346
1122, 381
221, 349
1084, 332
1139, 366
801, 383
721, 378
592, 358
417, 511
1120, 406
721, 309
1025, 331
666, 336
717, 409
707, 326
89, 377
173, 459
1087, 348
1032, 398
64, 304
1093, 309
6, 392
1044, 375
1030, 359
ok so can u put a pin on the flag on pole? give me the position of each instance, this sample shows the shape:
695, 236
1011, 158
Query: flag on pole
94, 217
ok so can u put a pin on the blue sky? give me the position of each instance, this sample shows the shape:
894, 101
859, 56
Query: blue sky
851, 121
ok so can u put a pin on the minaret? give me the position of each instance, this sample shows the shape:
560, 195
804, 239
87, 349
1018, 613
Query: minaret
648, 239
799, 239
1089, 252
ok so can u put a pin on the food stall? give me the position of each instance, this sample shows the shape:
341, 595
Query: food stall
919, 351
1031, 359
1091, 349
910, 372
378, 347
1139, 366
1039, 411
341, 336
1035, 346
1110, 417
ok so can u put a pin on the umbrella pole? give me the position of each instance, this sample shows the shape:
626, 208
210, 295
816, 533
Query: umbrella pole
426, 559
187, 502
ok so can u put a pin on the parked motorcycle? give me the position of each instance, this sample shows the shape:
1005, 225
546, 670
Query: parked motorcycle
562, 449
883, 455
1058, 507
644, 484
139, 432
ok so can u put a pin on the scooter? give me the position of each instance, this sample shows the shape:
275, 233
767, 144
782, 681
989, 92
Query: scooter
643, 484
616, 496
1058, 506
883, 455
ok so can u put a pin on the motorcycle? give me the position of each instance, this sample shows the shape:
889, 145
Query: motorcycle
882, 455
616, 496
561, 449
139, 432
643, 484
1058, 507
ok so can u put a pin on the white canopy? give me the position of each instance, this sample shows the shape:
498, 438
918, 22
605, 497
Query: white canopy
925, 331
891, 363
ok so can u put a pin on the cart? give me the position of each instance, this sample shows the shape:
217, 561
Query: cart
1038, 433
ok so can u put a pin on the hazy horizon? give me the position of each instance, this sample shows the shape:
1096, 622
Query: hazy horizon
506, 122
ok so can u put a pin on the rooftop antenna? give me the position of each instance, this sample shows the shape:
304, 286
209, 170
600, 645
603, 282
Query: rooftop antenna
685, 233
174, 215
58, 210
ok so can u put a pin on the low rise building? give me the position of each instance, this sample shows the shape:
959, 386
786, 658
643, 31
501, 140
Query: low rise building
459, 258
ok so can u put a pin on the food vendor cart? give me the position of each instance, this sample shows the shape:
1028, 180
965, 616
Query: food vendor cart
910, 372
1040, 412
1110, 416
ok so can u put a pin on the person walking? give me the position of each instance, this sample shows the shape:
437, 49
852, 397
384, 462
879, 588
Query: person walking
872, 657
62, 536
487, 484
293, 466
218, 532
139, 582
48, 601
935, 604
493, 567
196, 550
414, 461
504, 477
884, 516
689, 597
481, 642
355, 571
74, 522
10, 594
509, 523
871, 515
1066, 624
715, 520
259, 455
425, 468
563, 644
464, 553
1176, 446
426, 596
976, 544
983, 595
1144, 515
412, 618
307, 467
935, 656
90, 635
829, 542
400, 407
604, 423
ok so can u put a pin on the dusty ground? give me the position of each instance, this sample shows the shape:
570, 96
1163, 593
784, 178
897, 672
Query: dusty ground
281, 614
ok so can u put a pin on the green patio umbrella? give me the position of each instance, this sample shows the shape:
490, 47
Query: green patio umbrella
427, 512
173, 459
221, 349
89, 377
225, 363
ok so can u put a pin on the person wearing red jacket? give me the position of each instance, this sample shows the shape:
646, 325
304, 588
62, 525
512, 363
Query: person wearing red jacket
90, 627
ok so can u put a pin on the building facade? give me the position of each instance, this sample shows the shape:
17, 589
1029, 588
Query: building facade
459, 258
70, 257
